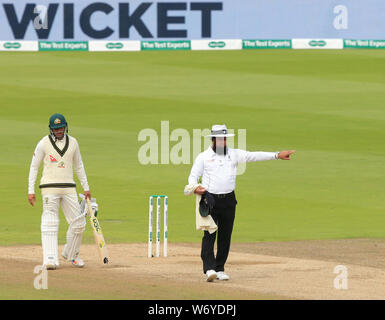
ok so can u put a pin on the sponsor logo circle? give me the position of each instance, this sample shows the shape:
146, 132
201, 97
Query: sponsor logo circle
12, 45
114, 45
317, 43
217, 44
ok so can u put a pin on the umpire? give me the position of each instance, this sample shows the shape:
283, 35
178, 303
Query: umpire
217, 167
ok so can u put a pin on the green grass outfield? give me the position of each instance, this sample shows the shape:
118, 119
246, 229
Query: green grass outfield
327, 105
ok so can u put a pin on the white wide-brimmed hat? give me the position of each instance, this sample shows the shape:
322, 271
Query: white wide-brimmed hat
219, 131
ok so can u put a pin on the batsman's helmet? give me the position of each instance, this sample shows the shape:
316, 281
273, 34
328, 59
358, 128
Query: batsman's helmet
57, 121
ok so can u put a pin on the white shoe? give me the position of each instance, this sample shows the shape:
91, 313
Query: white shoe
51, 263
222, 276
78, 263
211, 275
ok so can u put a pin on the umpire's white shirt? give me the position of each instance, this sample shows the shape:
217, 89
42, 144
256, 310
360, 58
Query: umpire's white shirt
218, 172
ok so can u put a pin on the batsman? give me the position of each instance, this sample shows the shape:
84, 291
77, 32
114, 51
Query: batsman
60, 154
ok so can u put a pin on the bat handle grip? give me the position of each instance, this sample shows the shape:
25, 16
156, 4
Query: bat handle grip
89, 207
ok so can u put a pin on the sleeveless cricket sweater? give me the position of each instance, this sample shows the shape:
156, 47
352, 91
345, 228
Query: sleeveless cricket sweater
57, 177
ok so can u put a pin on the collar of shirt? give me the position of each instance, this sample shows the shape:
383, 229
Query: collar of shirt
61, 142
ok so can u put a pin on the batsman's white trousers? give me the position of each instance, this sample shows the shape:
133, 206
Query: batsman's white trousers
50, 226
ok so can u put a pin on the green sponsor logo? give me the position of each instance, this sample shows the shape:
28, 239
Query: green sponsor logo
63, 45
364, 44
317, 43
166, 45
96, 225
266, 44
217, 44
114, 45
12, 45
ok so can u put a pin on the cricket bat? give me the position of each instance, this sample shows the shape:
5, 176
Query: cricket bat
98, 235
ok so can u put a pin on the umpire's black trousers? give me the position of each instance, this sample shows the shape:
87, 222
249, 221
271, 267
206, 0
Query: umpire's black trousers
223, 215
